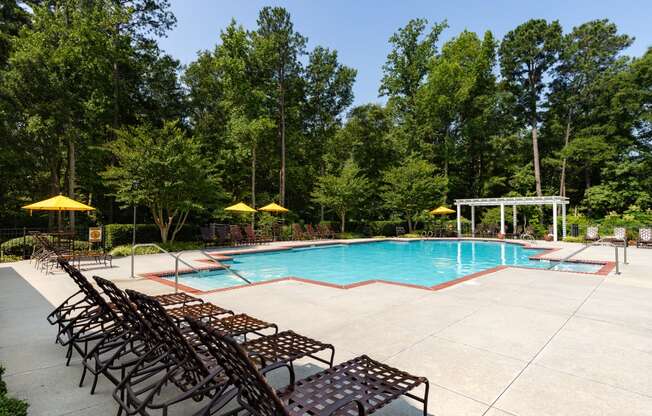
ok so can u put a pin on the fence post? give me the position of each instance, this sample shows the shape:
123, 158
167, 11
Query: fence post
24, 242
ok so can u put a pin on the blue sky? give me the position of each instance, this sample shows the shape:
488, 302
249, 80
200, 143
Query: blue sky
359, 29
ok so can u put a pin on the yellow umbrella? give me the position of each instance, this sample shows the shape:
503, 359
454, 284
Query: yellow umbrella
273, 207
442, 210
240, 207
58, 203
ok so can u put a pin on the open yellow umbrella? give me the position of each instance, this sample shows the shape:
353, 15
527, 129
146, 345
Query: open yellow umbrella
442, 210
58, 203
240, 207
273, 207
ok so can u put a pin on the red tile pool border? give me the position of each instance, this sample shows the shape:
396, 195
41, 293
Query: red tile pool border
607, 267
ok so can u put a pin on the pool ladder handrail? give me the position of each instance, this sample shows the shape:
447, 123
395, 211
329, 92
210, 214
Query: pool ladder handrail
208, 256
161, 249
600, 242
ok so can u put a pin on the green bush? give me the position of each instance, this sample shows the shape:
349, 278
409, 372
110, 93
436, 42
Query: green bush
384, 228
119, 234
348, 236
8, 405
125, 250
10, 258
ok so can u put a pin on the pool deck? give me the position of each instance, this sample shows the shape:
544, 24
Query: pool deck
514, 341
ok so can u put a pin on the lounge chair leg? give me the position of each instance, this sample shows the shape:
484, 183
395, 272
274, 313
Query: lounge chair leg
83, 376
425, 399
95, 378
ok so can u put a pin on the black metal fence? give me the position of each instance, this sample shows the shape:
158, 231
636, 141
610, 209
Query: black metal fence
17, 243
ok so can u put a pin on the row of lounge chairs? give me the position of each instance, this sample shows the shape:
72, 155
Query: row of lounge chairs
237, 235
162, 351
46, 253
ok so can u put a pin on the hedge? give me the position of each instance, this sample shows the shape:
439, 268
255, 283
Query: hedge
120, 234
384, 228
8, 405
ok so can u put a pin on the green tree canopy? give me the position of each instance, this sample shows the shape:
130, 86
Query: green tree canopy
164, 170
412, 187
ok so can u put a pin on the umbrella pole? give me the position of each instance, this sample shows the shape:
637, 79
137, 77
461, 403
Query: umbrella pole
59, 221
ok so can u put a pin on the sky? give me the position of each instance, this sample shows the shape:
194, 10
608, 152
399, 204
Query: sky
359, 29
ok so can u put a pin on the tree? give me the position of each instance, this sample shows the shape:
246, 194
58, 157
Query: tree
279, 48
343, 192
163, 169
526, 55
412, 187
589, 54
329, 91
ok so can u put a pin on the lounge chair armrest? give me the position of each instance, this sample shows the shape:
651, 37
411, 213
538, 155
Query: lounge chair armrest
329, 410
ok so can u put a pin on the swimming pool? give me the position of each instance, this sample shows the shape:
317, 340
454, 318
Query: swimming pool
423, 262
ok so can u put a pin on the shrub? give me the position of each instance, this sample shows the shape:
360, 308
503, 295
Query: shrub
8, 405
384, 228
348, 236
10, 258
125, 250
119, 234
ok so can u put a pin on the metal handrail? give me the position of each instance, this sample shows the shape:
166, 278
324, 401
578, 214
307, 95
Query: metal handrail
213, 259
601, 242
161, 249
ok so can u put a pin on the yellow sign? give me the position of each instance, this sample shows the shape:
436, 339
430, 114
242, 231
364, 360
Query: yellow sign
95, 234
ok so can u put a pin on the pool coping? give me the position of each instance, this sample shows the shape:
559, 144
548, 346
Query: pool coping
224, 255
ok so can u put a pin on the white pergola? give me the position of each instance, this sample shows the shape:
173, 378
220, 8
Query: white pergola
555, 201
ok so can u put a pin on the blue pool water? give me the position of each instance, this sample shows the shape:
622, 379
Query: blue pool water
425, 263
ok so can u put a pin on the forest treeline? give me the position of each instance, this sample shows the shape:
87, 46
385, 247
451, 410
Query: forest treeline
90, 106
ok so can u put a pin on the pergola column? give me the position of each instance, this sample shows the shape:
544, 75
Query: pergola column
459, 220
554, 221
473, 220
514, 220
563, 221
502, 219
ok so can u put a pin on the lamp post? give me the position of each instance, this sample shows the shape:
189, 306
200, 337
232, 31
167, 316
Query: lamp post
134, 187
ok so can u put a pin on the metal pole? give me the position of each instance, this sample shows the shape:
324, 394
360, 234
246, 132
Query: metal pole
459, 221
617, 270
473, 221
625, 250
554, 221
176, 273
133, 244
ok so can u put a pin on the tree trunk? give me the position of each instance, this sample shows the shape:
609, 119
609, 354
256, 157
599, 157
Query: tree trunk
281, 104
54, 189
409, 218
535, 154
253, 176
322, 170
343, 220
71, 178
562, 180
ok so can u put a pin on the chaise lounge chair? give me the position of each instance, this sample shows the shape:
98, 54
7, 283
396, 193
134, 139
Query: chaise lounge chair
297, 232
592, 234
358, 386
644, 237
325, 231
310, 231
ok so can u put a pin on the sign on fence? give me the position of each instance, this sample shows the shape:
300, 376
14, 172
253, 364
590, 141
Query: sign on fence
95, 234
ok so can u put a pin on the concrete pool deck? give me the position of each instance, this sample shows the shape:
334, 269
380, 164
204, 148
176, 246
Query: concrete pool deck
512, 342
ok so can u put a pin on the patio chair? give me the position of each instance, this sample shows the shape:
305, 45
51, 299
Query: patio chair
400, 231
192, 369
254, 238
644, 237
223, 237
310, 231
297, 232
207, 236
236, 235
592, 234
171, 374
358, 386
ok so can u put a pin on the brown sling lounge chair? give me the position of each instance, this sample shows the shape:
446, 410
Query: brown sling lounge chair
188, 366
358, 386
644, 237
325, 231
236, 235
312, 234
